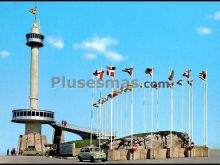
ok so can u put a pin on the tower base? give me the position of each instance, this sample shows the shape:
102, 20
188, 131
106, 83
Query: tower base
36, 140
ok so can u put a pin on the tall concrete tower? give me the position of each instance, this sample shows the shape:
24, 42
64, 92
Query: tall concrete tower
33, 117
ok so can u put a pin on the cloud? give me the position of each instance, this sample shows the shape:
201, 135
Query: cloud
90, 56
204, 31
4, 53
215, 16
56, 42
100, 45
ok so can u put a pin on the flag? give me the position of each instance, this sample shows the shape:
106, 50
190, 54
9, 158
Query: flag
33, 11
171, 84
186, 73
110, 71
171, 75
102, 100
99, 74
129, 87
118, 91
155, 85
202, 75
180, 82
115, 94
190, 82
128, 70
109, 96
96, 105
149, 71
142, 85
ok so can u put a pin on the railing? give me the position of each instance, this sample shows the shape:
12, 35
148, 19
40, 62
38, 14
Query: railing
32, 114
81, 129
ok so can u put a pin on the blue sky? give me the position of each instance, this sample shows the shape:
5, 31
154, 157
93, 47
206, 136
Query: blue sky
81, 37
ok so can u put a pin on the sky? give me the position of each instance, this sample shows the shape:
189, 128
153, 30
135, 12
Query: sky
81, 37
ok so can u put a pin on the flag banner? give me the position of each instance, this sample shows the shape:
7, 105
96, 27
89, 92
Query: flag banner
180, 82
96, 105
171, 84
109, 96
155, 85
99, 74
142, 85
33, 11
149, 71
171, 75
129, 87
186, 73
190, 82
128, 70
110, 71
202, 75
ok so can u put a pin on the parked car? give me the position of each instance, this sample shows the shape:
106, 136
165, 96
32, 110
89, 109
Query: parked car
92, 154
31, 151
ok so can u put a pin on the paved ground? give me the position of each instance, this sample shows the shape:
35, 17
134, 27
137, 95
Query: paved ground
214, 157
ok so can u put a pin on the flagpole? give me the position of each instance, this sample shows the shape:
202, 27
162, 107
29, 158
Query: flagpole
111, 114
192, 109
126, 114
157, 109
206, 123
121, 114
182, 108
132, 109
189, 113
92, 110
100, 117
151, 118
144, 113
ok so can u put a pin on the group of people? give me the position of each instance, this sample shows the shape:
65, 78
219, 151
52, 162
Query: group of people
64, 123
13, 152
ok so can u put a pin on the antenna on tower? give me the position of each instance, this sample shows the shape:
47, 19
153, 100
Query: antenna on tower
34, 11
35, 7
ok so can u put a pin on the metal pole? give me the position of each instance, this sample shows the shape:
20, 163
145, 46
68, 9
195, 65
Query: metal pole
111, 114
100, 118
152, 101
157, 110
132, 110
189, 113
92, 110
144, 113
206, 102
182, 117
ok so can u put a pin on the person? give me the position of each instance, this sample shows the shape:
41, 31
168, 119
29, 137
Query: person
8, 152
62, 123
65, 123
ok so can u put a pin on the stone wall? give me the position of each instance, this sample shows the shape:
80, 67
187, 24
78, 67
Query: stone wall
36, 140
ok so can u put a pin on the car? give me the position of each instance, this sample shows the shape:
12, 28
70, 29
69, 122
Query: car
92, 154
31, 151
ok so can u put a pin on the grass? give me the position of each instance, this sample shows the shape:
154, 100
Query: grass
86, 142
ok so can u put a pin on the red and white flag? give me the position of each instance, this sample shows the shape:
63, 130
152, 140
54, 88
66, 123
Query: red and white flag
110, 70
99, 74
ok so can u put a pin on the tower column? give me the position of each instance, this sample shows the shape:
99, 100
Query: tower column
34, 79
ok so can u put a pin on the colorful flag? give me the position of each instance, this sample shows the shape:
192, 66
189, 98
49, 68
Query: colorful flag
180, 82
171, 84
109, 96
110, 71
99, 74
190, 82
202, 75
171, 75
149, 71
128, 70
129, 87
33, 11
186, 73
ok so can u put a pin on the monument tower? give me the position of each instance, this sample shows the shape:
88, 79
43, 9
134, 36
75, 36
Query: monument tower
33, 117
